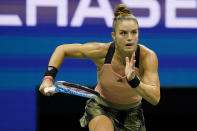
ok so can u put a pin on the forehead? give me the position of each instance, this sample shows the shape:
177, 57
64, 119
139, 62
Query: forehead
127, 25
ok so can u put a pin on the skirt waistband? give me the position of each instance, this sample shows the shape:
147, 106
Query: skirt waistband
106, 103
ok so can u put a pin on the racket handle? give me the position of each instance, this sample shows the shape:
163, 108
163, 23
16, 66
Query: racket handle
49, 89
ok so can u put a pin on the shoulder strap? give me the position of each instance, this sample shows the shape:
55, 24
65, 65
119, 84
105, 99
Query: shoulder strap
111, 50
137, 56
110, 53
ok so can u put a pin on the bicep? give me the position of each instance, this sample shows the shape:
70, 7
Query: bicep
150, 75
81, 51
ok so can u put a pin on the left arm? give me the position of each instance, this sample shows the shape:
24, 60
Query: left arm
149, 87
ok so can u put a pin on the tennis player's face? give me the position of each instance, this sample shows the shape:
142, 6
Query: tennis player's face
126, 35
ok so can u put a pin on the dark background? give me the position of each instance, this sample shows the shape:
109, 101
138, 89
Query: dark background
176, 111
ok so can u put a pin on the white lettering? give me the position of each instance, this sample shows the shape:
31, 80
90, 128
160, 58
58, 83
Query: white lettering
172, 21
10, 20
104, 10
83, 10
154, 11
62, 13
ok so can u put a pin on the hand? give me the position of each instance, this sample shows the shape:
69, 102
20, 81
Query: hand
46, 83
130, 67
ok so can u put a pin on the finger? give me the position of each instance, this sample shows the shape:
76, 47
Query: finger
133, 67
132, 61
133, 56
41, 89
50, 94
127, 60
43, 92
47, 94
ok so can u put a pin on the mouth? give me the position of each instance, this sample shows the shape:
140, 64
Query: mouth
129, 44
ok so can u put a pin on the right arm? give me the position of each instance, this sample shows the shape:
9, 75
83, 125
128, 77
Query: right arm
93, 51
80, 51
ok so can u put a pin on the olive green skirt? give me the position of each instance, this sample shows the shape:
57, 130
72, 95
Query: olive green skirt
127, 117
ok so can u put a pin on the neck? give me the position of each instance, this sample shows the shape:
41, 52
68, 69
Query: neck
120, 56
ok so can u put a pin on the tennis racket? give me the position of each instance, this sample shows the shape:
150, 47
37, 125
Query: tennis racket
73, 89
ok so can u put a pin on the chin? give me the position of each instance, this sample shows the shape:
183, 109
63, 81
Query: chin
132, 49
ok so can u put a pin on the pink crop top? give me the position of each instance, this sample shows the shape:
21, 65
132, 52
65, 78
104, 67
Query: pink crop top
114, 87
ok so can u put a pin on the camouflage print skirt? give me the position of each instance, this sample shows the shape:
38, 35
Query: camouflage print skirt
124, 117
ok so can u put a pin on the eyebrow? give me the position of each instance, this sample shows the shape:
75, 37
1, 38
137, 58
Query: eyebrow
126, 30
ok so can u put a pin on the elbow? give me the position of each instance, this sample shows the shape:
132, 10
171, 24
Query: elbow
156, 101
60, 50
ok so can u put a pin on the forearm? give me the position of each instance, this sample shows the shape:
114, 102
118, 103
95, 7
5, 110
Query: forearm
57, 57
149, 92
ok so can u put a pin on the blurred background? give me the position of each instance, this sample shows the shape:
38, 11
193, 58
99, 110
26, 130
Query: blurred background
30, 30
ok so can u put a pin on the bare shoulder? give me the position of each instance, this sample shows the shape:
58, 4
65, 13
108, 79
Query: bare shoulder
95, 50
144, 51
148, 57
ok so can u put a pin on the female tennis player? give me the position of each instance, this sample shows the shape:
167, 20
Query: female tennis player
127, 72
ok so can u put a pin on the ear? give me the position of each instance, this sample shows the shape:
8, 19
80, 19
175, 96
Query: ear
113, 35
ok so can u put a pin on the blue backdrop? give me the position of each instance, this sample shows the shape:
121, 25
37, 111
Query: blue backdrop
25, 50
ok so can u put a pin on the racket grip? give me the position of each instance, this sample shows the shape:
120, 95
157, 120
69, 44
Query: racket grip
49, 89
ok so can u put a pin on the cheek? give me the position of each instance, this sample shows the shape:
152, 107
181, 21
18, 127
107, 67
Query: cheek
120, 38
136, 37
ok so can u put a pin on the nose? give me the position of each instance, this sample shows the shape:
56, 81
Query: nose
130, 37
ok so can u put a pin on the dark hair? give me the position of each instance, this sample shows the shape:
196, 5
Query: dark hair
121, 12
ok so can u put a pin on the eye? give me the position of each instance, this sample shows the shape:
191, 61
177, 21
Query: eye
123, 32
134, 32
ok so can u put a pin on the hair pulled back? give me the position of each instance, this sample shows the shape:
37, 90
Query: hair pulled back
121, 12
